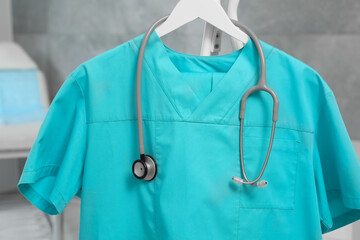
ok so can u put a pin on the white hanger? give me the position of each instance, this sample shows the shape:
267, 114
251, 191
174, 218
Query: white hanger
211, 43
208, 10
233, 14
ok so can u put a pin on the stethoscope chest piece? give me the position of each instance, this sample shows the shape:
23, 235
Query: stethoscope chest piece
145, 168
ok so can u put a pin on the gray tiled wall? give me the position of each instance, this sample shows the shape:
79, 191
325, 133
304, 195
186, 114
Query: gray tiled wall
325, 34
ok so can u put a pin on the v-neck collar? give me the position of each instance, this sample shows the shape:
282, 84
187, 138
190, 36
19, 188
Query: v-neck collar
223, 96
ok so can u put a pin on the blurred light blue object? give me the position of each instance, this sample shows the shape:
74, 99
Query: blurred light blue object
20, 99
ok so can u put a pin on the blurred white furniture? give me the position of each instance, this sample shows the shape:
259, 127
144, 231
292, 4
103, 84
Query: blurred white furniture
17, 139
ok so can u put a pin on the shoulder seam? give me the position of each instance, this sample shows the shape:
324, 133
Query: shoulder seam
327, 93
82, 91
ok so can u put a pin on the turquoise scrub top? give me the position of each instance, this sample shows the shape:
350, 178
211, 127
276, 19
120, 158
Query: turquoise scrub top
88, 142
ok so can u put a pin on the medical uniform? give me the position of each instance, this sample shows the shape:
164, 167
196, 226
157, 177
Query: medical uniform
88, 142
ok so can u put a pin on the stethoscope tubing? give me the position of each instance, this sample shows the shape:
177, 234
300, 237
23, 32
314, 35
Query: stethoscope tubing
260, 86
138, 83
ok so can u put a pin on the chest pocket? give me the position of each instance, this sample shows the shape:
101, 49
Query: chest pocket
280, 173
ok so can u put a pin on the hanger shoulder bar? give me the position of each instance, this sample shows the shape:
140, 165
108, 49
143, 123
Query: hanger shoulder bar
208, 10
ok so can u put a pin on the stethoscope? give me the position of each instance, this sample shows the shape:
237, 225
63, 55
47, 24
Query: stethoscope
145, 168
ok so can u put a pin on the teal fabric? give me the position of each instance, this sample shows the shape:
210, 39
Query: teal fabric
88, 143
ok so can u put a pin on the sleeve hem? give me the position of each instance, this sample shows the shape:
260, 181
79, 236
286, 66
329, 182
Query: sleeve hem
52, 205
345, 209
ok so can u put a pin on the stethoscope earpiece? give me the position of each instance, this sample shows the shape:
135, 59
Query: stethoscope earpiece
144, 168
240, 181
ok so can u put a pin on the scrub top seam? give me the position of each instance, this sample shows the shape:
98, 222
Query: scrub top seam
237, 207
81, 90
156, 80
247, 86
272, 208
157, 232
162, 89
190, 87
62, 196
298, 156
237, 99
321, 110
45, 166
208, 123
327, 223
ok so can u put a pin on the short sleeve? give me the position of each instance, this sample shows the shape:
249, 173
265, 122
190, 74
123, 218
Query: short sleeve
337, 168
52, 174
